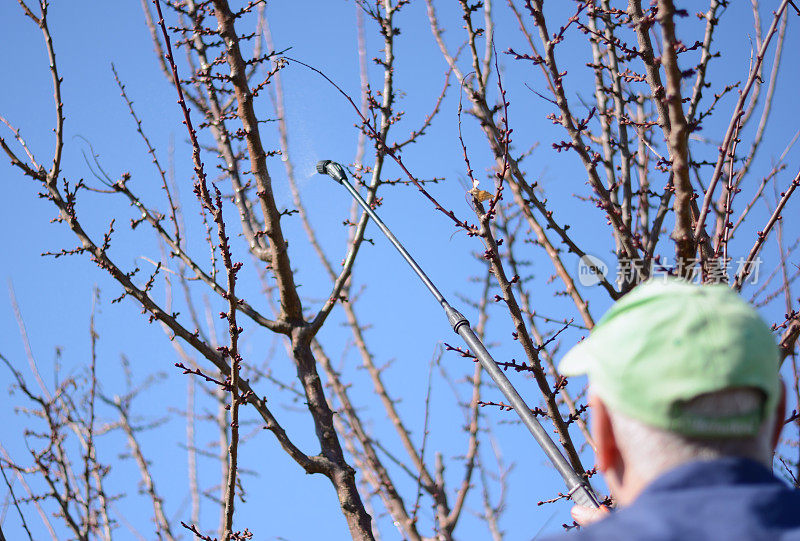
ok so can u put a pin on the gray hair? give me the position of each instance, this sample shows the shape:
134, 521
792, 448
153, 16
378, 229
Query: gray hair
649, 451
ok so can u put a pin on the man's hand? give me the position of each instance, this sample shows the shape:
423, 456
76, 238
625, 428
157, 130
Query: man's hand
587, 515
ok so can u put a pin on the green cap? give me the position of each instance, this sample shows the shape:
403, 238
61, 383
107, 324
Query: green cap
667, 342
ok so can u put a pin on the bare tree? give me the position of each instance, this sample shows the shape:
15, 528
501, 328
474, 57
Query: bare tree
668, 160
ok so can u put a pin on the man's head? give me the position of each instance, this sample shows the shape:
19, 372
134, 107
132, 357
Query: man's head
678, 372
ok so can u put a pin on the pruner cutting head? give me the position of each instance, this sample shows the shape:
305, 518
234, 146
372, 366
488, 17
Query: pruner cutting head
332, 169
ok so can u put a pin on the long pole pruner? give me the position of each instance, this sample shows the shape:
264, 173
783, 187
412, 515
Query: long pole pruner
579, 489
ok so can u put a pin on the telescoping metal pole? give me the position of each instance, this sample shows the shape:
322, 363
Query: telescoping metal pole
579, 489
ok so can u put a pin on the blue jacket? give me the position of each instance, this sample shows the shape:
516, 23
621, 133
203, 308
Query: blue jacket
730, 498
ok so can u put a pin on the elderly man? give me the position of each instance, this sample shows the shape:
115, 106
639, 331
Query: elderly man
687, 406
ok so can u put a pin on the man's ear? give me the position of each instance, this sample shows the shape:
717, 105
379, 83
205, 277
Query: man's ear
608, 455
780, 416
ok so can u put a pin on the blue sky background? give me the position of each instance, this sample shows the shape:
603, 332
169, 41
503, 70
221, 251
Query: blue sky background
55, 296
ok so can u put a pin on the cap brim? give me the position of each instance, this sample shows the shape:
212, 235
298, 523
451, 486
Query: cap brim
577, 360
